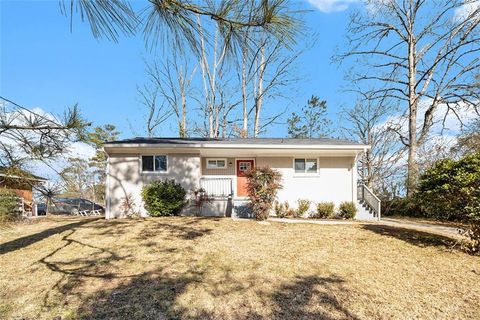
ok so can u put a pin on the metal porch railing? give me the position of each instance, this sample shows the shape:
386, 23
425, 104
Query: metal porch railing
217, 187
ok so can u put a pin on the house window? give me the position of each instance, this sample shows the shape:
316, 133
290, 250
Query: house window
154, 163
216, 163
302, 165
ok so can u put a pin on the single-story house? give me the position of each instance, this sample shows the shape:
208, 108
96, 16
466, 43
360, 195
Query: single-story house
315, 169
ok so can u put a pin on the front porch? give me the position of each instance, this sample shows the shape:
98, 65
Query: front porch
220, 192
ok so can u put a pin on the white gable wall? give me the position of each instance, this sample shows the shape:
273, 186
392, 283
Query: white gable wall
125, 178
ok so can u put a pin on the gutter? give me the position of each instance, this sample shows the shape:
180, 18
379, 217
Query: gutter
237, 146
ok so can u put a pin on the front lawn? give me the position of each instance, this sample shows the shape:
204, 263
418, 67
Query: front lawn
200, 268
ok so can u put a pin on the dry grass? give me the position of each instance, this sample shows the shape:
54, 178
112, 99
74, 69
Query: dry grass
191, 268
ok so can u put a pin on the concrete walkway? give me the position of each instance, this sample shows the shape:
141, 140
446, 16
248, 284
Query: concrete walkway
422, 226
288, 220
442, 230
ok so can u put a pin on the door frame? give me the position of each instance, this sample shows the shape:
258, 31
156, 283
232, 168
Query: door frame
236, 176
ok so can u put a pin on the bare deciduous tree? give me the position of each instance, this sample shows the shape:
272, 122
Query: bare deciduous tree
422, 54
171, 81
378, 166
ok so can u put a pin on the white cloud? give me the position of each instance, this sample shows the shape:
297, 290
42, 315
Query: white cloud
81, 150
48, 168
466, 10
328, 6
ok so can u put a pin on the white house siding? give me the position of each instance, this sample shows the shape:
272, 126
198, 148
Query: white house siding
228, 171
334, 181
124, 178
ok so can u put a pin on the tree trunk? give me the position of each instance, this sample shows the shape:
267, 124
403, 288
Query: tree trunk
259, 98
183, 121
244, 91
412, 166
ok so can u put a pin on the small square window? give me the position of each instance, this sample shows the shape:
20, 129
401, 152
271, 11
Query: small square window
160, 163
154, 163
305, 165
311, 165
244, 166
147, 163
299, 165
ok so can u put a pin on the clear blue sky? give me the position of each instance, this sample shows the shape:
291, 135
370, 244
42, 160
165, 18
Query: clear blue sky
45, 65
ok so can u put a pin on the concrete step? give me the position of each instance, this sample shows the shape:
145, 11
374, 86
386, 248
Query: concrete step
364, 212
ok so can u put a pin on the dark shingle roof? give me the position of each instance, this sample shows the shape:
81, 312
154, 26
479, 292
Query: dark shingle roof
226, 141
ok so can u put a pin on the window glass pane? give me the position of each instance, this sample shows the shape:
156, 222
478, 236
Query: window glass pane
160, 163
220, 163
299, 165
147, 163
311, 165
212, 164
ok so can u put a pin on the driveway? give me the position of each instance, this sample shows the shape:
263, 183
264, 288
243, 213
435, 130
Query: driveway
447, 231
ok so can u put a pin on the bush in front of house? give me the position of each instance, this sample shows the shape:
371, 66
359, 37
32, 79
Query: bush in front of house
280, 211
8, 206
263, 184
347, 210
325, 210
303, 205
164, 198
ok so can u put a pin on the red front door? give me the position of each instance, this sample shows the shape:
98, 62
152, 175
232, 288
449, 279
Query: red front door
242, 167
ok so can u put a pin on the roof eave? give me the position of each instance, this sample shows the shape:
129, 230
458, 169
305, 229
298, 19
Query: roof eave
358, 147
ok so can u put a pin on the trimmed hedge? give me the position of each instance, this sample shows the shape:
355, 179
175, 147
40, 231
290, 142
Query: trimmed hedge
164, 198
347, 210
325, 210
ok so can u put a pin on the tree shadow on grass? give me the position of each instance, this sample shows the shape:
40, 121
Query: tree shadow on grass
150, 296
184, 231
23, 242
155, 295
311, 297
418, 238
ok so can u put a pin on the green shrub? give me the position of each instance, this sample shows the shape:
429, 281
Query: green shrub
347, 210
8, 206
302, 208
280, 211
325, 210
262, 186
163, 198
450, 189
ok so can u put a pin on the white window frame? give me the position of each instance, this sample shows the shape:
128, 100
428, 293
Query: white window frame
216, 159
154, 171
306, 174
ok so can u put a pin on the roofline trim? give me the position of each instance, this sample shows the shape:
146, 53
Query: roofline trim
240, 146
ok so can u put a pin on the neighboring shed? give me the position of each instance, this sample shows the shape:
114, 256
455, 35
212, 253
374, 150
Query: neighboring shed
21, 183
